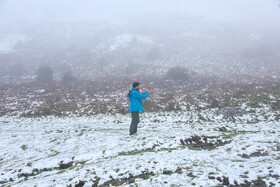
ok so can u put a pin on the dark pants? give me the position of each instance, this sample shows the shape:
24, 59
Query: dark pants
134, 122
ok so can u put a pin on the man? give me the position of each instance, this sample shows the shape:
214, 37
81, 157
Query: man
136, 105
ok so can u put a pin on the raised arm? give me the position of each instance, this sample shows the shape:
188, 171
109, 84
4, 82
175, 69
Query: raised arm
140, 96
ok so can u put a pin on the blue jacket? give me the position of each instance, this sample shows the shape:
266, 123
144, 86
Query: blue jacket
135, 100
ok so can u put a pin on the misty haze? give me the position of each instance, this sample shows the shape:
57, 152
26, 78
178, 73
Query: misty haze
140, 92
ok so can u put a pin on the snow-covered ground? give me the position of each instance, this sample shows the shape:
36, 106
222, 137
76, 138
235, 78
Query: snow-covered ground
53, 151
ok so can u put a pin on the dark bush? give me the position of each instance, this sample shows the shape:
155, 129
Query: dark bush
214, 103
44, 74
172, 107
178, 73
68, 77
275, 105
152, 106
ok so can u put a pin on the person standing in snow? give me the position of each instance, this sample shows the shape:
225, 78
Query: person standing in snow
136, 105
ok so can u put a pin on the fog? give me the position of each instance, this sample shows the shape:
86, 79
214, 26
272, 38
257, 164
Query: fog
107, 38
32, 11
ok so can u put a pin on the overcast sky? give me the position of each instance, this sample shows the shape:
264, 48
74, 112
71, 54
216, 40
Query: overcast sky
31, 11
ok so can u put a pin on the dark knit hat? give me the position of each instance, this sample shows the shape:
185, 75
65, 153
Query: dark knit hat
135, 84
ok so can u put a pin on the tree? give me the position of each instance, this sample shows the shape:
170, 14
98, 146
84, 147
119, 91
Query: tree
68, 77
178, 73
44, 74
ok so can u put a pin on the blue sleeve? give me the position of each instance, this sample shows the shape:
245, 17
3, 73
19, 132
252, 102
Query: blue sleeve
140, 96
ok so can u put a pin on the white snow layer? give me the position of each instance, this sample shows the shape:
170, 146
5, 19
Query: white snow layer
99, 146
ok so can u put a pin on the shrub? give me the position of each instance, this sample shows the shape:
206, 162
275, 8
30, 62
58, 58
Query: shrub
44, 74
152, 106
178, 73
172, 107
214, 103
275, 105
68, 77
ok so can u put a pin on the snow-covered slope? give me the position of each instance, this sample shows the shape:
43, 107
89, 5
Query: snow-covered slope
97, 150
